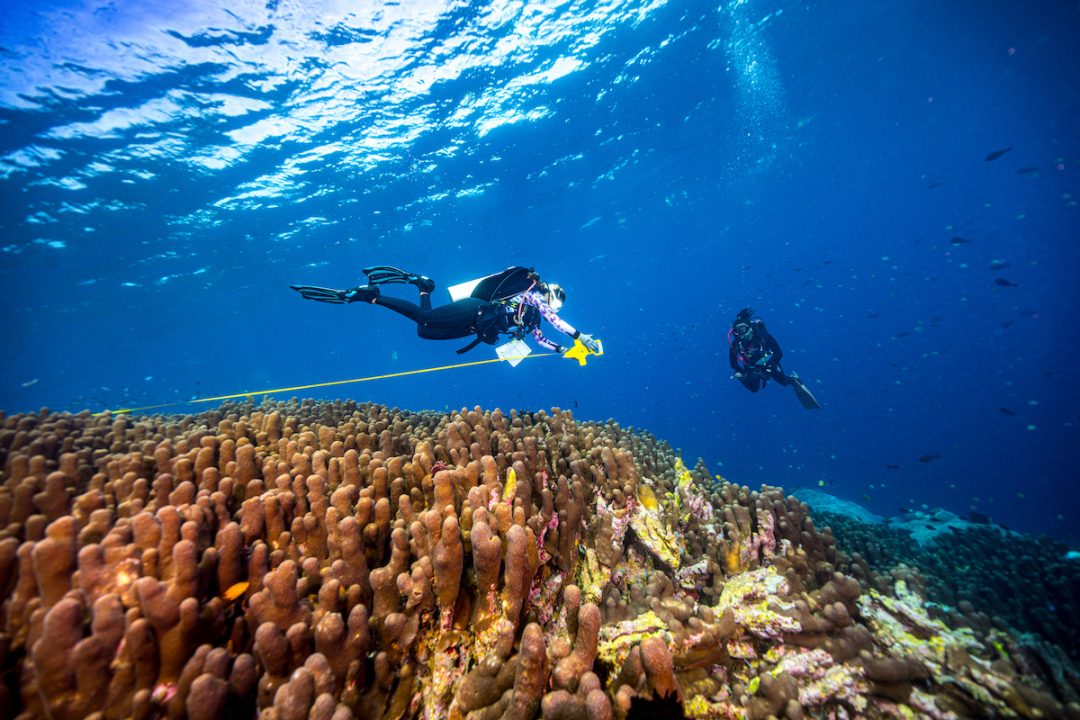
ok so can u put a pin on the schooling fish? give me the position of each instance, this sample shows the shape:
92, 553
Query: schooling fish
892, 467
1005, 283
927, 458
1006, 411
997, 153
999, 264
1028, 170
957, 240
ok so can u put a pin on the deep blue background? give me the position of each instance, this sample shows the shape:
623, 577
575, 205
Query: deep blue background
812, 160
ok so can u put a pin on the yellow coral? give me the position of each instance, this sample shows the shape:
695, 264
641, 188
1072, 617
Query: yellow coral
618, 639
757, 599
901, 625
733, 559
647, 498
683, 476
699, 708
592, 577
510, 487
656, 536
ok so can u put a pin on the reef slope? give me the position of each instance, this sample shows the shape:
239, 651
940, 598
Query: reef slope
345, 560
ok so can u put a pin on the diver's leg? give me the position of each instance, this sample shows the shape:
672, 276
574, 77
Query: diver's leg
411, 310
751, 382
447, 322
779, 376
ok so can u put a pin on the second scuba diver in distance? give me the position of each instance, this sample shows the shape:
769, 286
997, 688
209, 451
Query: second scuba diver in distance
512, 302
754, 355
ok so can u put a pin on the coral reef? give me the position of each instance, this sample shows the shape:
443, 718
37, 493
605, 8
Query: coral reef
347, 560
979, 575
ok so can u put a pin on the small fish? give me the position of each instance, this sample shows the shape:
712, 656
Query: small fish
821, 483
575, 403
235, 591
997, 153
1027, 170
865, 497
999, 264
904, 333
1003, 282
1006, 411
892, 467
28, 383
927, 458
933, 185
957, 240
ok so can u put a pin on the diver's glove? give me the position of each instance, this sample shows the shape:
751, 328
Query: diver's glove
588, 341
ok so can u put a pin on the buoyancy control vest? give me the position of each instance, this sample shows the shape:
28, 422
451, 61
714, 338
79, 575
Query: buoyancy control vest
513, 317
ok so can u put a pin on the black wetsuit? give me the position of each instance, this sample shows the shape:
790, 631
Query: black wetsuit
487, 320
446, 322
757, 359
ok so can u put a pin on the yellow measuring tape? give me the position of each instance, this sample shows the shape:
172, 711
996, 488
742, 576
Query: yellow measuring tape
233, 396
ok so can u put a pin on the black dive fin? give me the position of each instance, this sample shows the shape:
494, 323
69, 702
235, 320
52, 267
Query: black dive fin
327, 295
805, 396
385, 275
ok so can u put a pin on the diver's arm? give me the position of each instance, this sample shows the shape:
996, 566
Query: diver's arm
733, 359
544, 342
774, 348
534, 299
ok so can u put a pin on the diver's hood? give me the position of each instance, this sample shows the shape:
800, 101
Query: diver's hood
555, 296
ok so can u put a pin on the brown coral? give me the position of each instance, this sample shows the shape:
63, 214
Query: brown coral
336, 560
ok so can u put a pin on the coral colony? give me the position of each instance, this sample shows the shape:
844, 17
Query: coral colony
344, 560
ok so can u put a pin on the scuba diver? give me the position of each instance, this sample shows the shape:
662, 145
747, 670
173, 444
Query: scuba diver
755, 357
512, 302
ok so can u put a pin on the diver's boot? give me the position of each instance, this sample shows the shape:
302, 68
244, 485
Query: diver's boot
423, 283
364, 293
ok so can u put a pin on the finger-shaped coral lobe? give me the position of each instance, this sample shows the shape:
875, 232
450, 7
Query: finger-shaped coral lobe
347, 560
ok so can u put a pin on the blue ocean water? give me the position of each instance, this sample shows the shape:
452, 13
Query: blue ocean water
168, 170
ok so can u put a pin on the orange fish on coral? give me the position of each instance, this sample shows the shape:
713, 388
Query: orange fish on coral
235, 591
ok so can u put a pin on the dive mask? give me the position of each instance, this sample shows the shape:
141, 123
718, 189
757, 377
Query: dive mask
555, 296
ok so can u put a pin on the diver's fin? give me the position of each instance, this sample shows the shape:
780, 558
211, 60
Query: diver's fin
806, 398
386, 274
338, 297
